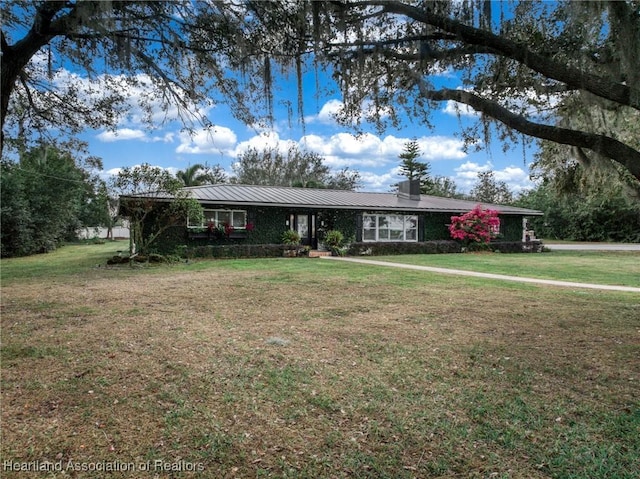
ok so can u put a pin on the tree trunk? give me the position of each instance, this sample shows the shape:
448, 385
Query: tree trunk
574, 78
15, 57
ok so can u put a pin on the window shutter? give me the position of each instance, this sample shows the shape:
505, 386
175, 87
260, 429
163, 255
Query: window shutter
358, 228
421, 227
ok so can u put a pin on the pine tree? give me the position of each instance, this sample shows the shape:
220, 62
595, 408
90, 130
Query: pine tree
413, 169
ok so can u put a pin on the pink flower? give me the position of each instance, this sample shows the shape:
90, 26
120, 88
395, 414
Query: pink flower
477, 225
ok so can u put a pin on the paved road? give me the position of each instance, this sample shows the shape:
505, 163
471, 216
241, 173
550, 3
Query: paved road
501, 277
592, 246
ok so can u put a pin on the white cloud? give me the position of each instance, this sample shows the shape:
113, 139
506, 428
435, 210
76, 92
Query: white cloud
141, 102
332, 109
122, 134
363, 145
378, 182
166, 138
454, 108
111, 172
471, 168
217, 139
263, 141
441, 148
345, 149
528, 102
328, 112
516, 178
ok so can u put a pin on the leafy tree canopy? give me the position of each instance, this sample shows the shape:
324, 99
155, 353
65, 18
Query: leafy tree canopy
569, 170
181, 54
46, 197
294, 168
489, 190
444, 186
519, 66
140, 189
584, 216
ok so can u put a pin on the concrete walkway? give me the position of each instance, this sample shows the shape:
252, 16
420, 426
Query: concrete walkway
501, 277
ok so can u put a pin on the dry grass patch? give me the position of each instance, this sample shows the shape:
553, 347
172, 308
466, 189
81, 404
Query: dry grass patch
311, 369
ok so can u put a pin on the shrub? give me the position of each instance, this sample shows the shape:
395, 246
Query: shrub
290, 237
477, 226
334, 240
235, 251
391, 248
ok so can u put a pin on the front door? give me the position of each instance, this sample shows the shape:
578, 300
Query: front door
305, 225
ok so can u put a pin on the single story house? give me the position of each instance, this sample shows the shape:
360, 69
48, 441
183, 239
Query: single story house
260, 215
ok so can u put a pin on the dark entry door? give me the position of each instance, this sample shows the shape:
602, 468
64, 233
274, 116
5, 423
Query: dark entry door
305, 225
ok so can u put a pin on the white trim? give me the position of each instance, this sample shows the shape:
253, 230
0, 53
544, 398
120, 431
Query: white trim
212, 215
376, 228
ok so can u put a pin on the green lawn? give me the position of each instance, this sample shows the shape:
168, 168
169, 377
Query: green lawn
65, 261
611, 267
307, 368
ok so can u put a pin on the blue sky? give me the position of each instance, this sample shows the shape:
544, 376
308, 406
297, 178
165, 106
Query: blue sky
372, 153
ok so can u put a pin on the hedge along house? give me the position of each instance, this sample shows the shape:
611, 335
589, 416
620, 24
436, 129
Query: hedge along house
259, 215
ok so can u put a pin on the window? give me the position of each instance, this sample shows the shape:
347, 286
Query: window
220, 218
389, 227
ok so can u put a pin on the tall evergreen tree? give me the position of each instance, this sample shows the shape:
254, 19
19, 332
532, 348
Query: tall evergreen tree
410, 166
413, 169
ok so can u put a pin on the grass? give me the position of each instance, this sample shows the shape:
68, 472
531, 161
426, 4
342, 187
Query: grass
612, 267
65, 261
309, 368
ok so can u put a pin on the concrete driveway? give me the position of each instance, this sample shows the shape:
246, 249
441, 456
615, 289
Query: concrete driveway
592, 246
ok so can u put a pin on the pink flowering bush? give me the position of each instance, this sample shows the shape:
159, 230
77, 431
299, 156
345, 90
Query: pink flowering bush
228, 229
476, 226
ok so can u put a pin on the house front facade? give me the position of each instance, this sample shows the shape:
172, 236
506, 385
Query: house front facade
254, 214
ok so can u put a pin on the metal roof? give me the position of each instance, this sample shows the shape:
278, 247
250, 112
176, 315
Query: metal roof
255, 195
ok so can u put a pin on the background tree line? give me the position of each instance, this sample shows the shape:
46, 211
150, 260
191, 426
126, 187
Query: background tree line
579, 203
566, 73
52, 192
47, 196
